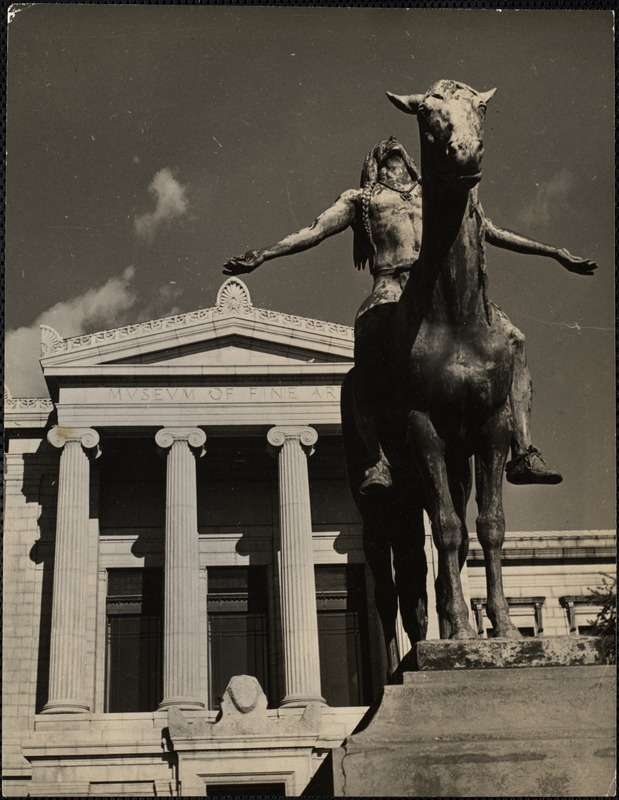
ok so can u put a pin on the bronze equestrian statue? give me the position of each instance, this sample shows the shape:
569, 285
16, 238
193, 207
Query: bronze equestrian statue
455, 360
385, 214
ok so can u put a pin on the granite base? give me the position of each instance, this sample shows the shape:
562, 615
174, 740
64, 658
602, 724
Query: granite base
494, 732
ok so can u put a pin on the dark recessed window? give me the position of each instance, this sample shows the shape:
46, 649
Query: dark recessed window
343, 635
134, 639
246, 790
526, 614
237, 612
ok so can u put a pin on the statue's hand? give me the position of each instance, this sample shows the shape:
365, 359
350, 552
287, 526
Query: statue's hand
581, 266
241, 265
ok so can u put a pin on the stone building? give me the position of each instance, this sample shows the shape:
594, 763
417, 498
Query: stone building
178, 514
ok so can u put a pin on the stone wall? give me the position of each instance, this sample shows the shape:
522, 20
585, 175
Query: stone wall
30, 495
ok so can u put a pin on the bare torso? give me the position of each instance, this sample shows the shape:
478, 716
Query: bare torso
395, 224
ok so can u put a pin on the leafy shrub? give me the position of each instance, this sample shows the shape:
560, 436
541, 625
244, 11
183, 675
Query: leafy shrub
605, 623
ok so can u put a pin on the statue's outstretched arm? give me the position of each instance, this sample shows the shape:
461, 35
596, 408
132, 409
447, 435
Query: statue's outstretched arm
335, 219
521, 244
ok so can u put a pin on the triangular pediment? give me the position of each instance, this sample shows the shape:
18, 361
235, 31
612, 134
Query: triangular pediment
231, 333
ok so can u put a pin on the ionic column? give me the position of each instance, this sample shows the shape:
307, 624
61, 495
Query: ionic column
298, 588
70, 593
181, 627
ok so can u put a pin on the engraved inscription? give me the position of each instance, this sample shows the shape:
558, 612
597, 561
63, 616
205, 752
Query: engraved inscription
152, 395
224, 394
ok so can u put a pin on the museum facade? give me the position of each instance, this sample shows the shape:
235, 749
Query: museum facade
186, 606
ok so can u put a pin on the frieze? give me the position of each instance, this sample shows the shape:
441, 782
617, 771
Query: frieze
31, 403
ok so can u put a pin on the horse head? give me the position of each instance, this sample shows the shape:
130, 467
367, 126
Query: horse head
450, 117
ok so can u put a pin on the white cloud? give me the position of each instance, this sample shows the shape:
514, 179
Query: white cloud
104, 307
171, 203
549, 197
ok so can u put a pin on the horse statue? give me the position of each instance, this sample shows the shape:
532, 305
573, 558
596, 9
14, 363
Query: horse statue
454, 364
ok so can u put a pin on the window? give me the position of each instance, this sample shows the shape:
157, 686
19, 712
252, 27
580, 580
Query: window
343, 635
246, 790
580, 614
524, 612
134, 639
237, 627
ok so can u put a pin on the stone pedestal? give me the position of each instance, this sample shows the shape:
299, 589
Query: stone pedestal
181, 636
298, 588
67, 693
479, 732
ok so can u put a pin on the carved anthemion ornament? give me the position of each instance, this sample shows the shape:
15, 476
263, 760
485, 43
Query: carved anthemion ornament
51, 341
233, 296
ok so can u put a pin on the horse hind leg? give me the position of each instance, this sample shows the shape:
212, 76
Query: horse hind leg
377, 523
410, 568
377, 553
490, 462
460, 485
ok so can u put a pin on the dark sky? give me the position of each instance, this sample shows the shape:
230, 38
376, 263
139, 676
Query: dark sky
254, 121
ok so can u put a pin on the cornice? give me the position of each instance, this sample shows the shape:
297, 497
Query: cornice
26, 412
233, 303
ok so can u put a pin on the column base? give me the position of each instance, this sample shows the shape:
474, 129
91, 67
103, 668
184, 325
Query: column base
301, 700
184, 703
65, 707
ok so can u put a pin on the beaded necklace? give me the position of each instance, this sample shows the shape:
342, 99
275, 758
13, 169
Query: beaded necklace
405, 194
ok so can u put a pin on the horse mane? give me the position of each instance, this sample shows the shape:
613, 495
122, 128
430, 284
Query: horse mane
364, 250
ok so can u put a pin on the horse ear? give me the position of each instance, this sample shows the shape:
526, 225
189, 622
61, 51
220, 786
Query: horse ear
408, 103
485, 97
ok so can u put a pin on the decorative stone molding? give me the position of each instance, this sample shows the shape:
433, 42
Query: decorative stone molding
233, 296
27, 403
51, 341
87, 437
233, 300
305, 436
194, 437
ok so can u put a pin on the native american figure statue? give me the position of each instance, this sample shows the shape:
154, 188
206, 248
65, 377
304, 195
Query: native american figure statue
385, 214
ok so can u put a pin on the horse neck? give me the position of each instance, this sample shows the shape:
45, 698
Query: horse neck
448, 283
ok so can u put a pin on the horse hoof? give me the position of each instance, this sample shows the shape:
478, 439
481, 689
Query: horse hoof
507, 632
464, 632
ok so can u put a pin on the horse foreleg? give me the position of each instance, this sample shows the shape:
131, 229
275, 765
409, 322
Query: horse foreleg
429, 454
490, 461
460, 484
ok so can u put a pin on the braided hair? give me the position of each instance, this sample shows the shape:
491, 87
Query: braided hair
364, 250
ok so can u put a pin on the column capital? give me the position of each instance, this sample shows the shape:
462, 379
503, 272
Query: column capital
194, 438
58, 436
305, 436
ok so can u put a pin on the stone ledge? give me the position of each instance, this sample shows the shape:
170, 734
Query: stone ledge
555, 651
